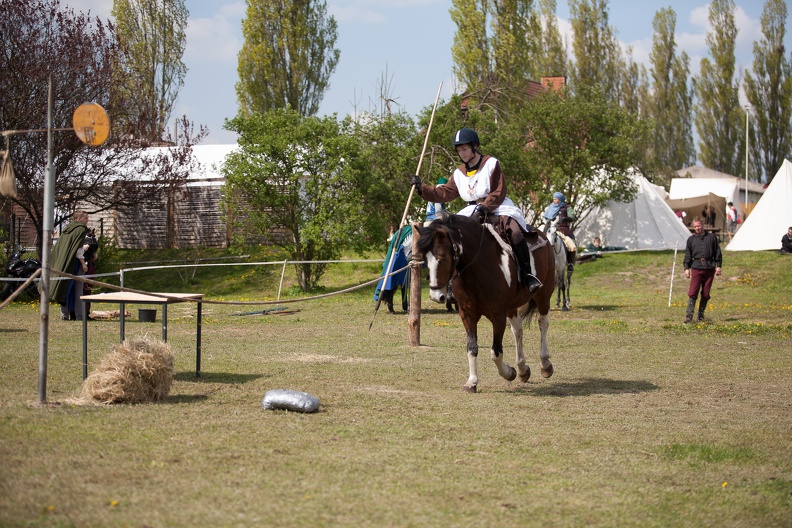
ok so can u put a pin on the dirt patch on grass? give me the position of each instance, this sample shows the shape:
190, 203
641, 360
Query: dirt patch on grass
322, 358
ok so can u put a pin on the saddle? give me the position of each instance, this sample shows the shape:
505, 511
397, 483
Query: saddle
534, 240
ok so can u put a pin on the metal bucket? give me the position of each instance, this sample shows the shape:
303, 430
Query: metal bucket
147, 315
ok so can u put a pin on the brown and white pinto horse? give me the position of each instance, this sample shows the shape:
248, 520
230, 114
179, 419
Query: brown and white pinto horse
483, 271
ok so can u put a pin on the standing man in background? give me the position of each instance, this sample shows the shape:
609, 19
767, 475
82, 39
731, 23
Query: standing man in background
702, 262
731, 219
64, 258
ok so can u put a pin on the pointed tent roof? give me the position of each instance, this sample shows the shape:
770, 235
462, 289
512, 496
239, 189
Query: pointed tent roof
646, 223
771, 217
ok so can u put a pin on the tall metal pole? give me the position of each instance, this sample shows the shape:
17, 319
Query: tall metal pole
46, 247
745, 213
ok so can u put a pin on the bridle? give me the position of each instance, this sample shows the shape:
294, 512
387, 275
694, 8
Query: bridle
455, 261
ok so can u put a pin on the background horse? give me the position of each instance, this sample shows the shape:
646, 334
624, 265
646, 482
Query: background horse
564, 267
483, 272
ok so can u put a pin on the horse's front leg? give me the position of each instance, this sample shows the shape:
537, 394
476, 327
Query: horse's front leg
544, 352
471, 324
506, 371
516, 323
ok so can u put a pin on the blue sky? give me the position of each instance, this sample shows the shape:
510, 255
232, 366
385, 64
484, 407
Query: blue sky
411, 39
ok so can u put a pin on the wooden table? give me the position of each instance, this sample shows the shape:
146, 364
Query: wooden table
123, 298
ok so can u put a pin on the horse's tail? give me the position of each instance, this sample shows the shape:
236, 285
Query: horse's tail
530, 311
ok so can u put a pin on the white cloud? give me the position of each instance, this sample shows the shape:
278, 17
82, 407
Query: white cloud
217, 38
372, 11
699, 17
356, 13
100, 8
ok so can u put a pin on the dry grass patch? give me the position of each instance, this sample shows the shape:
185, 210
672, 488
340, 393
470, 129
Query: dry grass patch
643, 422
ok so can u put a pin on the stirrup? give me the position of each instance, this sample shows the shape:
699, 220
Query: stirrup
533, 284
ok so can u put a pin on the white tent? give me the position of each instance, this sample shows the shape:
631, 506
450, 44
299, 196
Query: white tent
697, 183
771, 217
646, 223
694, 206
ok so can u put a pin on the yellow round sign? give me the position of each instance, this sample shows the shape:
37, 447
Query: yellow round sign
91, 124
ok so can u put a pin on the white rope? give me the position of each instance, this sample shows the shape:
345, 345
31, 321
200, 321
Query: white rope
237, 303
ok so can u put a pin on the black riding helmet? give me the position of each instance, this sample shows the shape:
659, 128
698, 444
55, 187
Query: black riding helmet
466, 135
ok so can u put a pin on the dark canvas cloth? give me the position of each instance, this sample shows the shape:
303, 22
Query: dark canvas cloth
63, 255
399, 262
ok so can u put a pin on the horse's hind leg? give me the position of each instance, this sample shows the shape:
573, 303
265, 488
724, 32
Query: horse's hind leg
523, 370
506, 371
568, 294
544, 353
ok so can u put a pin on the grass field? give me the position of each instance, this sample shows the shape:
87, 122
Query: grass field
646, 422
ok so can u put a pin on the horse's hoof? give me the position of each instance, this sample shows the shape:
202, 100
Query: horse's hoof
512, 375
525, 377
547, 372
565, 309
469, 388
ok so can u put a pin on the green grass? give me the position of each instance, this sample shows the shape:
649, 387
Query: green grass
646, 422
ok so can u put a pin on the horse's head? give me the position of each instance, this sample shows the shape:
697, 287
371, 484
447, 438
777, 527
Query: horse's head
440, 252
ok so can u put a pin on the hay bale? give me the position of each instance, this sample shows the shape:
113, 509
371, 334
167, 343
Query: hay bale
138, 370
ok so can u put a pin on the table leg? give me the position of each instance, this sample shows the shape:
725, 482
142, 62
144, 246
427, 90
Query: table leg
198, 344
164, 322
123, 321
85, 342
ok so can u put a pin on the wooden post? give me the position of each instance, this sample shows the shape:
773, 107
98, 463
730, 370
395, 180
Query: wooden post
414, 318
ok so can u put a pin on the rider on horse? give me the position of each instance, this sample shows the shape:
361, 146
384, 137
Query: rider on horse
481, 183
561, 215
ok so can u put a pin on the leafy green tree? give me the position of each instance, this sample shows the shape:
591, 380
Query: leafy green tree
719, 117
390, 144
304, 176
495, 50
671, 101
553, 58
471, 49
597, 55
634, 86
516, 34
580, 142
769, 91
288, 56
152, 36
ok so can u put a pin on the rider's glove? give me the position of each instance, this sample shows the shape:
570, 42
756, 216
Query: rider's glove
480, 213
415, 180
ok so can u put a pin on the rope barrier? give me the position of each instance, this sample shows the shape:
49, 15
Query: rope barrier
235, 303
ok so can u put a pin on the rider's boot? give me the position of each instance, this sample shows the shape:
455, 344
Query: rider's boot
690, 308
524, 260
702, 307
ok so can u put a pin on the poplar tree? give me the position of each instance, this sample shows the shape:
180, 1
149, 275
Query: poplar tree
288, 56
152, 37
553, 58
719, 118
769, 91
597, 56
494, 67
516, 34
471, 50
633, 86
670, 104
